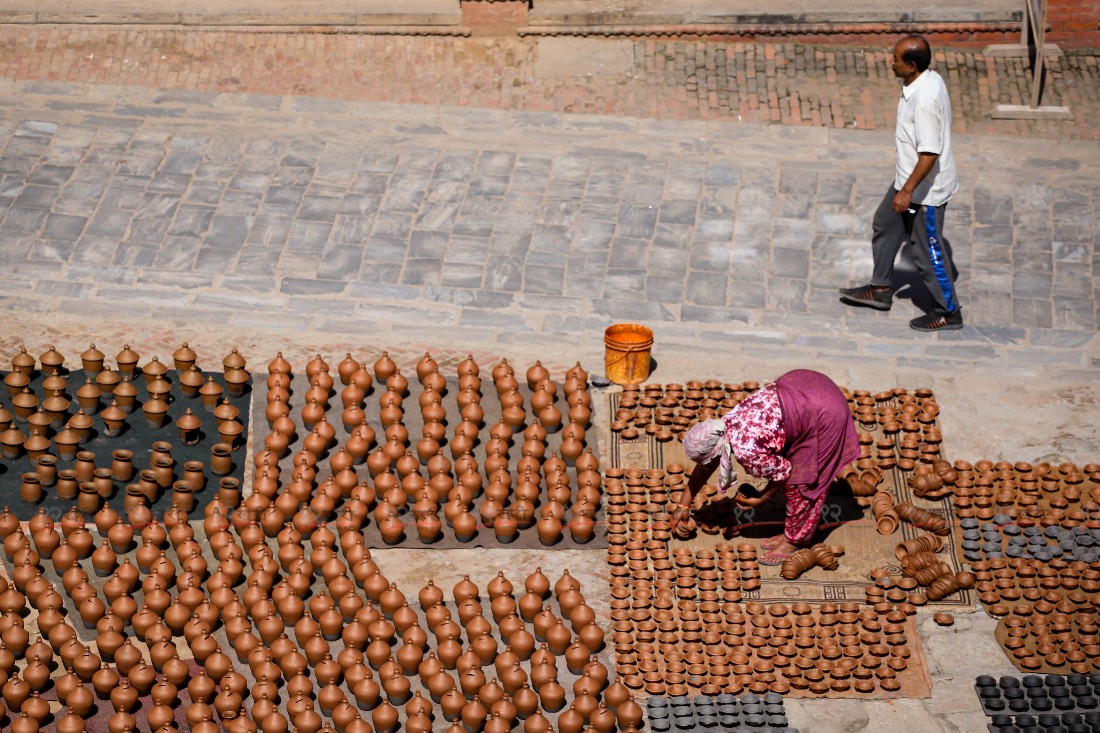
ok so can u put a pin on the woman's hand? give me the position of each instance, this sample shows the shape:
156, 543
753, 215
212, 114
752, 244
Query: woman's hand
680, 515
751, 502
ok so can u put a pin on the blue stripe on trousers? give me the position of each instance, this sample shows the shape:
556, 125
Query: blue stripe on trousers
935, 254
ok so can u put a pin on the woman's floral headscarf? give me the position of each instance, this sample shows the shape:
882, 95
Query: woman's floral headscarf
707, 441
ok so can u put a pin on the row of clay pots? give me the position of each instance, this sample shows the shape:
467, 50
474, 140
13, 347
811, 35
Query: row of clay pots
667, 410
92, 361
1059, 632
750, 646
208, 655
101, 385
1030, 495
459, 483
674, 408
93, 485
1004, 582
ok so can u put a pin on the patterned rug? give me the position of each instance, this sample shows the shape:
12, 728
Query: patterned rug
846, 522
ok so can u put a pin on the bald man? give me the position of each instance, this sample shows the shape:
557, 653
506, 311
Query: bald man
912, 210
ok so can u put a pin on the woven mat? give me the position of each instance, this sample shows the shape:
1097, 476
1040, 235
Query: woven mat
655, 593
846, 523
915, 680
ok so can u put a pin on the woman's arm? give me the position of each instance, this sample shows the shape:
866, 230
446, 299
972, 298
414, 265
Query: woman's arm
698, 478
773, 488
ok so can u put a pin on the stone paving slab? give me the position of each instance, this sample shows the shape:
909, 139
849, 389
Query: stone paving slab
198, 204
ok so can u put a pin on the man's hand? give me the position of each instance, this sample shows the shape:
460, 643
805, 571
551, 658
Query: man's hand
902, 201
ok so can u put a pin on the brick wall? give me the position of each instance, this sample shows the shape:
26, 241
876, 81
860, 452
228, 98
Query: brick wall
1074, 23
888, 36
1070, 23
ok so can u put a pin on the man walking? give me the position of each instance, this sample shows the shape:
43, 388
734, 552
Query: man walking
913, 208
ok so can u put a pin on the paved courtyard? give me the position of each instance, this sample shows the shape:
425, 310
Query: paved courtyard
158, 208
331, 215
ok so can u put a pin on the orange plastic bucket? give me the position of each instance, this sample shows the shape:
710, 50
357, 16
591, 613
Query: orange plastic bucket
627, 352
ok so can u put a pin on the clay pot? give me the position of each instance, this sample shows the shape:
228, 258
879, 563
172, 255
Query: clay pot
549, 529
189, 426
385, 718
11, 443
474, 714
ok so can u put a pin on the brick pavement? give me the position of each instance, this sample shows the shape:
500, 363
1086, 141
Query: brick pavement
352, 217
771, 83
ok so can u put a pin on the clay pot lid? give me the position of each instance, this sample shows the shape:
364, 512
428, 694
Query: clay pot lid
107, 378
39, 420
127, 356
51, 358
55, 383
233, 360
192, 377
154, 407
226, 411
23, 359
211, 387
26, 399
17, 380
154, 368
12, 436
126, 388
184, 353
113, 413
188, 421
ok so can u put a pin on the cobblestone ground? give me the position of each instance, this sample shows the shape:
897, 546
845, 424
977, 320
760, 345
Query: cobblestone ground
194, 206
772, 83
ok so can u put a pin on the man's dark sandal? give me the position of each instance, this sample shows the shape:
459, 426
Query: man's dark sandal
868, 296
938, 322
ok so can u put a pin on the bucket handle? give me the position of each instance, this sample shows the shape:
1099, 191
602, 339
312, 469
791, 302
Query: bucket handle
624, 353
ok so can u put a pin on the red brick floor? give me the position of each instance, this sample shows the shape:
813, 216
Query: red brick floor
776, 83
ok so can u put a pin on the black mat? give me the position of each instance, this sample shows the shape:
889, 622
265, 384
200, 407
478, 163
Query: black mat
136, 436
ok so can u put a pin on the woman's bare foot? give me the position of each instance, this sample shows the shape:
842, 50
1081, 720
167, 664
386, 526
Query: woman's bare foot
772, 542
780, 552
